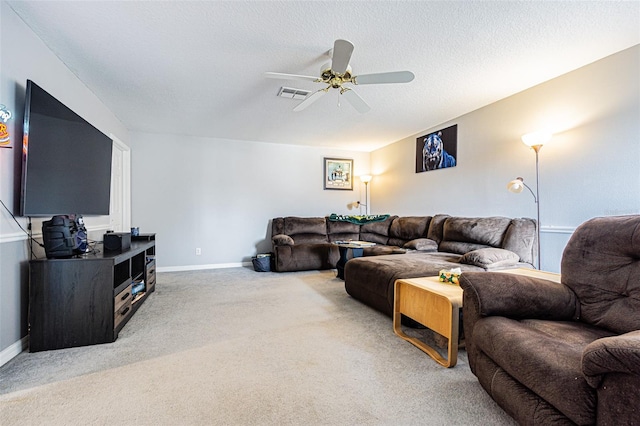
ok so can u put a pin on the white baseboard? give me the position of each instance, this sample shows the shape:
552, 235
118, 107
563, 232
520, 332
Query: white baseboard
201, 267
13, 350
557, 229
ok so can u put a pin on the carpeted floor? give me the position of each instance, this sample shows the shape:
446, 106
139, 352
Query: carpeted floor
237, 347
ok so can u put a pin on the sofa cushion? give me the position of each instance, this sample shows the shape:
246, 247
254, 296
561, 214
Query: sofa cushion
305, 225
408, 228
436, 226
544, 356
342, 231
488, 231
371, 279
380, 250
306, 230
304, 257
377, 232
520, 238
491, 258
459, 247
422, 244
601, 264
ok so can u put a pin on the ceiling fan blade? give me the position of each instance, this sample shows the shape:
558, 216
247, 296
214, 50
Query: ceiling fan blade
356, 101
385, 77
342, 50
282, 76
310, 99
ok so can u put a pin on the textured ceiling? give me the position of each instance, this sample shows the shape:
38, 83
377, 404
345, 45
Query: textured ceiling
198, 67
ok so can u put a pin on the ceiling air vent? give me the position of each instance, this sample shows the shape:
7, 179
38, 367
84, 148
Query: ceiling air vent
291, 93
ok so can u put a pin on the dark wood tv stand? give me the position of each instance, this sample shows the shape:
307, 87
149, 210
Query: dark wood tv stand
88, 299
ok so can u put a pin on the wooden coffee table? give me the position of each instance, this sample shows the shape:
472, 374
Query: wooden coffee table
437, 305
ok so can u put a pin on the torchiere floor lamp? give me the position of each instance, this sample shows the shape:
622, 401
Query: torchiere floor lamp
535, 141
365, 179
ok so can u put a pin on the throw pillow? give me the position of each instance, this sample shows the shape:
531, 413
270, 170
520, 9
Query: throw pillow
422, 244
490, 258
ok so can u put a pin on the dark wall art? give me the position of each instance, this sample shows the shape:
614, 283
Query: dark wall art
437, 150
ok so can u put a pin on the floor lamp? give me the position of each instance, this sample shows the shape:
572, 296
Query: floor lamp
535, 141
366, 179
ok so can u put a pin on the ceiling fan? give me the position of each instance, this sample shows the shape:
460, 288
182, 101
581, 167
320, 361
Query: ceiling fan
338, 72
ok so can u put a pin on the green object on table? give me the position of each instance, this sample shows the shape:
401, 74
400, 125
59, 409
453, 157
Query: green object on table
358, 219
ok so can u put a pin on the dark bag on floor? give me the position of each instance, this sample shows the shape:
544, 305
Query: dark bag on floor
262, 263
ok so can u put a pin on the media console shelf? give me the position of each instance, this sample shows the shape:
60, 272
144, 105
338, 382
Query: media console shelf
88, 299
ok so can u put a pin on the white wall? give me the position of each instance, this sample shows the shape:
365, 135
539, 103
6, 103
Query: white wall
590, 168
220, 195
24, 56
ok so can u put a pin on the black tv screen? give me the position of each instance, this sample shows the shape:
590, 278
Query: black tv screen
66, 164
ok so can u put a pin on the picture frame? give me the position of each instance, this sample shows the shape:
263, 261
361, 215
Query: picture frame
338, 173
437, 150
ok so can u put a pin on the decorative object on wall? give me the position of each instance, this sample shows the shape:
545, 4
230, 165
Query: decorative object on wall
437, 150
5, 116
534, 140
338, 173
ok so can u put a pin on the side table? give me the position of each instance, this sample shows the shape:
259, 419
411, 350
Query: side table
345, 248
349, 250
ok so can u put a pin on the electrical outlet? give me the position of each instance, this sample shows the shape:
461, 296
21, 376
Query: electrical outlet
198, 251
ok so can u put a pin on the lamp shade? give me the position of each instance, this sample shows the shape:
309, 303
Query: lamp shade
366, 178
516, 185
536, 138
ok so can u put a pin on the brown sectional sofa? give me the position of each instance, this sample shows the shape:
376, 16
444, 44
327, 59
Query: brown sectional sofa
406, 247
305, 243
471, 244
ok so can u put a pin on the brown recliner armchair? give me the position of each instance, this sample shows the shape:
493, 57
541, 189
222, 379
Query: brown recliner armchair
567, 353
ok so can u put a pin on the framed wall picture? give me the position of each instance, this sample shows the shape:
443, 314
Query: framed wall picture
437, 150
338, 173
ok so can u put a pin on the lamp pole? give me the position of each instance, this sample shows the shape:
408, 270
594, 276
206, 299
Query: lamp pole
535, 141
366, 179
366, 198
536, 148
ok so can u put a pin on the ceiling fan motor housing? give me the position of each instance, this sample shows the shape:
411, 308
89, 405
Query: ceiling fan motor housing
334, 79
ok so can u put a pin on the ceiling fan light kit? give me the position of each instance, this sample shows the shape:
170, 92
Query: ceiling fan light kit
338, 72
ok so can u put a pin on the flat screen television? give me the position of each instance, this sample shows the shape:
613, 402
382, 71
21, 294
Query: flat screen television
66, 162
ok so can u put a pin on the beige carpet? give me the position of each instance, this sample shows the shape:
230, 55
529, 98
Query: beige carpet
237, 347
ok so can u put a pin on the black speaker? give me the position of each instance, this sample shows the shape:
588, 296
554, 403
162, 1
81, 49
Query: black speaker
117, 241
59, 235
82, 244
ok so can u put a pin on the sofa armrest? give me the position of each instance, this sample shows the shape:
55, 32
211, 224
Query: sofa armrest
518, 296
514, 296
616, 354
282, 240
